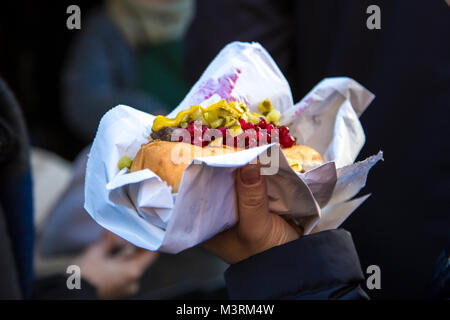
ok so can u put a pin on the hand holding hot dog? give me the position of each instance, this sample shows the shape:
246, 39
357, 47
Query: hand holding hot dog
258, 229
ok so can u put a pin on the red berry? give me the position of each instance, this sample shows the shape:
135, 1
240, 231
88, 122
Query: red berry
262, 123
259, 135
269, 128
190, 128
243, 124
287, 141
247, 141
284, 131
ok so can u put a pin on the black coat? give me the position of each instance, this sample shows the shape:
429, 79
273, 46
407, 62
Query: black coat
320, 266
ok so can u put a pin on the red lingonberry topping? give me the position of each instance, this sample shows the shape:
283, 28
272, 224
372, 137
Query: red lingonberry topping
259, 135
190, 128
287, 141
243, 124
262, 123
263, 136
235, 141
284, 131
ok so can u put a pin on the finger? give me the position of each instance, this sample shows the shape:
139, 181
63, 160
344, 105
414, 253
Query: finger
115, 240
141, 259
102, 246
252, 196
122, 291
133, 288
108, 241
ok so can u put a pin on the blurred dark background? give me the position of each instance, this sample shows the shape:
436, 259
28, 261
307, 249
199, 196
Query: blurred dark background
34, 41
405, 224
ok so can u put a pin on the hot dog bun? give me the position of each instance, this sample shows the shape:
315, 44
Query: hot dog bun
169, 159
303, 158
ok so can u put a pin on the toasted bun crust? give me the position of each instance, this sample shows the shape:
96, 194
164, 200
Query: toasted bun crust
307, 157
169, 159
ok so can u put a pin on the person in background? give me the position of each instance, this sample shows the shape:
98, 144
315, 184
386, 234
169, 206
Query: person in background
16, 201
108, 269
128, 52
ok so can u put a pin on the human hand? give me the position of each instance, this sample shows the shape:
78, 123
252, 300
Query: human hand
114, 276
258, 229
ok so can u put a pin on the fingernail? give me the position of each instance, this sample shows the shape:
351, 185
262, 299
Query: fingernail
250, 174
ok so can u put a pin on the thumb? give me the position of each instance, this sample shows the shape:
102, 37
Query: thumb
252, 196
107, 242
141, 259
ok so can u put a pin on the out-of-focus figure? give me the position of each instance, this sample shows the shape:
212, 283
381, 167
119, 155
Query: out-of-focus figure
109, 268
128, 52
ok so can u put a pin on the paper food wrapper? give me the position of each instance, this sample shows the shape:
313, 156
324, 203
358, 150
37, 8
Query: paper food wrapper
141, 208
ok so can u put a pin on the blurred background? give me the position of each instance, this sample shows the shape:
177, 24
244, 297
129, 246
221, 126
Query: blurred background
66, 79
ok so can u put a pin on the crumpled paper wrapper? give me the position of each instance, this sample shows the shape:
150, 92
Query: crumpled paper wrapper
141, 208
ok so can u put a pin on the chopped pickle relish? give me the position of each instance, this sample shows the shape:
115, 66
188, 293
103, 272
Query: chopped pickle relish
220, 114
124, 162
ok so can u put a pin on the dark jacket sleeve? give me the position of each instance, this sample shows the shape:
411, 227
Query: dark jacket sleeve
9, 279
54, 287
323, 265
16, 199
441, 278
